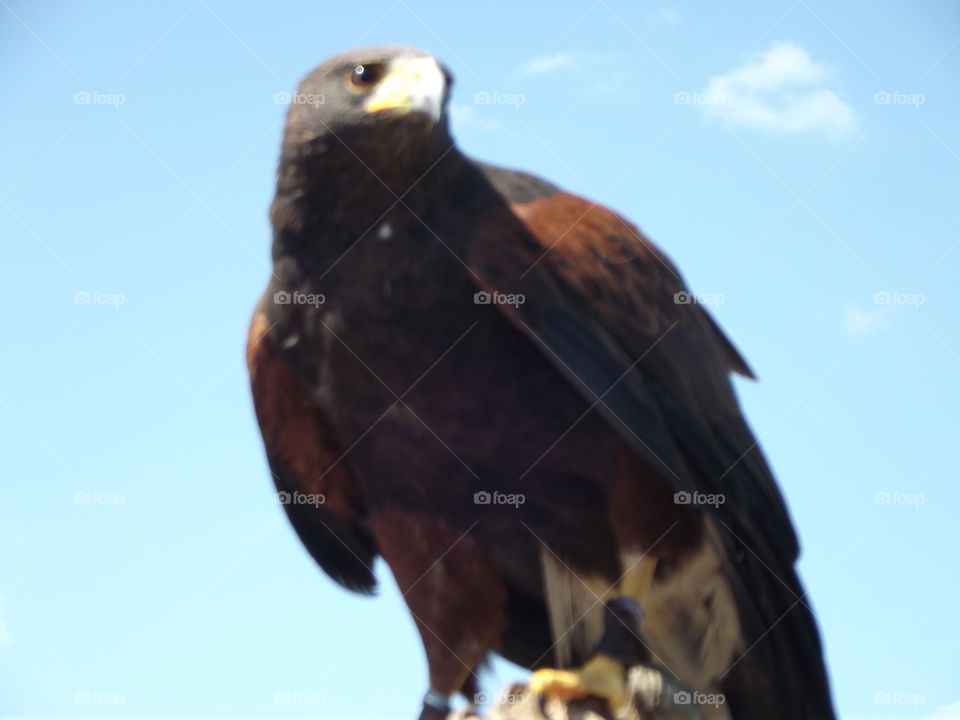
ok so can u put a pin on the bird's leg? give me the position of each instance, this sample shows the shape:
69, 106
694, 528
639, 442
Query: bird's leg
436, 706
446, 671
453, 592
471, 689
620, 647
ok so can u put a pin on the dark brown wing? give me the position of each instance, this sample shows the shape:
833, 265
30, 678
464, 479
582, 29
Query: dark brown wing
317, 491
611, 312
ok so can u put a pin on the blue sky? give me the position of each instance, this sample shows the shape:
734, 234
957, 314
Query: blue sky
799, 160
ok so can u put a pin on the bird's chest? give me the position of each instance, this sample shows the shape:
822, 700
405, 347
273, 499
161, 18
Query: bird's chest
361, 305
447, 391
414, 366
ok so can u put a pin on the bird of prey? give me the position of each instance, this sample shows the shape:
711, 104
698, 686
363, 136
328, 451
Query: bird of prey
507, 393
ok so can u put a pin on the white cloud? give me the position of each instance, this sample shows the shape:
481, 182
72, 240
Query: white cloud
611, 82
466, 117
946, 712
780, 90
669, 16
859, 323
552, 62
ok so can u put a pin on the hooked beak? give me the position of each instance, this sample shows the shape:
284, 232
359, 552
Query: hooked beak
412, 85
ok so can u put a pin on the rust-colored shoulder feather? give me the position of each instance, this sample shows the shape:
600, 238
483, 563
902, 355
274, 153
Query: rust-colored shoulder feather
318, 494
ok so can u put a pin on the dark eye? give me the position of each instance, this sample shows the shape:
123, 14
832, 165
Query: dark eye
363, 77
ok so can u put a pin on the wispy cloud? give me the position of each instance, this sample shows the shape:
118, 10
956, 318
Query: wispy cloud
669, 16
780, 90
553, 62
466, 117
946, 712
612, 82
858, 323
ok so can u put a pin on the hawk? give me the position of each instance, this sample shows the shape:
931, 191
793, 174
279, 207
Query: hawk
507, 392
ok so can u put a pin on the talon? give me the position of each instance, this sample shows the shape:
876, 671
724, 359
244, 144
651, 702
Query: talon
601, 677
542, 705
